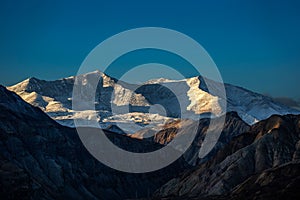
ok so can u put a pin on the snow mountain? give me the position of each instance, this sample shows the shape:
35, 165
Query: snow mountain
151, 104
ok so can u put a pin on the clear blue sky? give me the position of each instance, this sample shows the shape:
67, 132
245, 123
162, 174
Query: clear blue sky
255, 44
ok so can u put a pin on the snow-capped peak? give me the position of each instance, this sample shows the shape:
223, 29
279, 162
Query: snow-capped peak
55, 98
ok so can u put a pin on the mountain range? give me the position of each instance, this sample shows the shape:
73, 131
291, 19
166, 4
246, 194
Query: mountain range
151, 103
257, 155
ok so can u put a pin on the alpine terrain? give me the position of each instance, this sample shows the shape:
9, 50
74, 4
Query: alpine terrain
150, 104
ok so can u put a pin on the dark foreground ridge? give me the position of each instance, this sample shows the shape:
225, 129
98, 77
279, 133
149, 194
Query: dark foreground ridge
40, 159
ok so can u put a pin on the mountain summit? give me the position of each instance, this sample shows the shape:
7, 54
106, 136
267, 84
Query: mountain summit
55, 98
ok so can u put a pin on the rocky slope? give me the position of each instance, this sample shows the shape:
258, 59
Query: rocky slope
233, 127
258, 164
151, 104
277, 183
280, 182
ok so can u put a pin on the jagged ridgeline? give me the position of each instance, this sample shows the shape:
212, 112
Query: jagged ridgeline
55, 98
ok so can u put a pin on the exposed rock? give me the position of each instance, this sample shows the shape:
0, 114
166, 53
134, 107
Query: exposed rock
280, 182
268, 145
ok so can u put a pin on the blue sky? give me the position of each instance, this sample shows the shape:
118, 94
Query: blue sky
255, 44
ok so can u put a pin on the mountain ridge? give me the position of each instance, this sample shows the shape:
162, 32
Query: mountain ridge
55, 98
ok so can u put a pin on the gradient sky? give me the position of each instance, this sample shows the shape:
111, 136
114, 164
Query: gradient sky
255, 44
